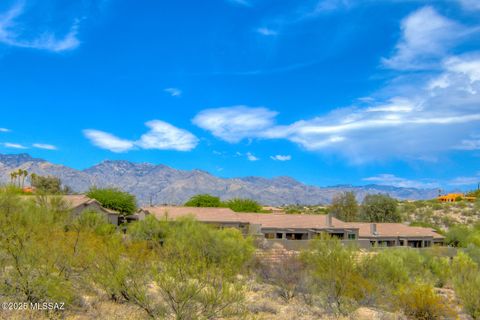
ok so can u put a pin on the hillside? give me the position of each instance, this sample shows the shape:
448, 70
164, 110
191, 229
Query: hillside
162, 184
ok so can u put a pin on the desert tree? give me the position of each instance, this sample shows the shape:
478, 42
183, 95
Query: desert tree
345, 206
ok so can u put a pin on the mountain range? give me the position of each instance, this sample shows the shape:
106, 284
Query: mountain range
160, 184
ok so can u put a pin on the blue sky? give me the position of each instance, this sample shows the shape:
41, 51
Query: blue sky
326, 91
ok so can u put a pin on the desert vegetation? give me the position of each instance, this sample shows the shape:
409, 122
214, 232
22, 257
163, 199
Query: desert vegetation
160, 269
236, 204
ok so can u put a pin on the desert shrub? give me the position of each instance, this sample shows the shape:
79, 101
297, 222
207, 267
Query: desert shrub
345, 206
91, 221
150, 229
419, 301
47, 184
467, 283
334, 274
473, 252
286, 273
203, 200
124, 272
379, 208
439, 268
243, 205
114, 199
35, 252
463, 235
448, 221
385, 272
197, 272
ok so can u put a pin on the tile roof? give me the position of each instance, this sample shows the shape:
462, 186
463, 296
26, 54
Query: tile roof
290, 221
74, 201
267, 220
394, 230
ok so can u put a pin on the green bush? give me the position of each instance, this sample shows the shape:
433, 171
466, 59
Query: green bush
150, 229
243, 205
203, 200
467, 283
419, 301
114, 199
345, 207
463, 235
198, 269
334, 273
379, 208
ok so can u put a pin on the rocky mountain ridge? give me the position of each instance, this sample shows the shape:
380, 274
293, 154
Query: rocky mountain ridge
160, 184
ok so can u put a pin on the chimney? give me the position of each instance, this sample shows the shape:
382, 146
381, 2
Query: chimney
329, 220
373, 229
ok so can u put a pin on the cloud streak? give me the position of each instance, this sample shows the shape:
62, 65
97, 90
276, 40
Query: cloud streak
44, 146
174, 92
14, 145
11, 33
251, 157
426, 37
437, 115
280, 157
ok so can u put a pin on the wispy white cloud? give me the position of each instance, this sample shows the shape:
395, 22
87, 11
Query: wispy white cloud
251, 157
465, 181
14, 145
174, 92
280, 157
426, 37
44, 146
164, 136
108, 141
4, 130
469, 144
267, 32
11, 33
234, 124
161, 136
392, 180
429, 116
472, 5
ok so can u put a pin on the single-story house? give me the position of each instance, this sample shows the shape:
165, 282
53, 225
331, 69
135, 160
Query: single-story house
80, 203
397, 234
286, 227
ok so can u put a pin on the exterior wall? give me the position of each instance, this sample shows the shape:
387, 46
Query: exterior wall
307, 234
414, 242
297, 245
94, 206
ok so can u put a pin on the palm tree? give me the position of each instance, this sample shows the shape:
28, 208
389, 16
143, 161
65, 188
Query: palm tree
13, 177
24, 174
33, 177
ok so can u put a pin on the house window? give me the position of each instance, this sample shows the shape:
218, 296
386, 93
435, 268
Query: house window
337, 235
279, 235
270, 235
352, 236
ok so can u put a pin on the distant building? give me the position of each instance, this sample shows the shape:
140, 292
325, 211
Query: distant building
273, 209
452, 197
80, 203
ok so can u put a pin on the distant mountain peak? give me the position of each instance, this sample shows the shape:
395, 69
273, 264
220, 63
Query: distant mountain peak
15, 160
